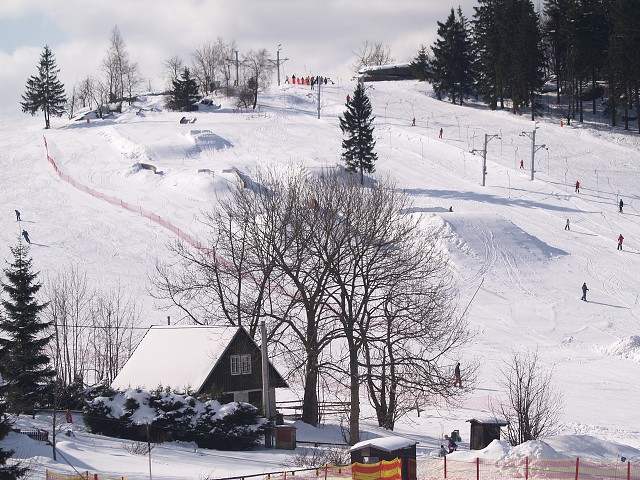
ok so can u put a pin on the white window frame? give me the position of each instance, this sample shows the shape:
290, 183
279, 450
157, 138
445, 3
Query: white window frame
240, 364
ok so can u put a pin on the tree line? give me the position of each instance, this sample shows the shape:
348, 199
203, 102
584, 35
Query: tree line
507, 52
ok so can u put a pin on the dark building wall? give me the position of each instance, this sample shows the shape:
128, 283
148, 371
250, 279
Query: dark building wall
221, 379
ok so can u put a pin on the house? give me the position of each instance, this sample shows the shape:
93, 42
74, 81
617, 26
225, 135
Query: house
223, 361
378, 73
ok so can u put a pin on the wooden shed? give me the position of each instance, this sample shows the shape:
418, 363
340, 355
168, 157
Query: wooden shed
387, 448
484, 431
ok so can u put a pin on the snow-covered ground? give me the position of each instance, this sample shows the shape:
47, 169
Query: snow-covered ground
507, 238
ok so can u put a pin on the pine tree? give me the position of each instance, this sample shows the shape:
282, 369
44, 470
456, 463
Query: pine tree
624, 56
24, 365
420, 65
184, 94
44, 91
451, 65
356, 125
8, 472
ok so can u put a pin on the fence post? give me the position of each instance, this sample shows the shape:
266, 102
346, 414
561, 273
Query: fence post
577, 466
526, 470
628, 470
445, 466
326, 471
477, 468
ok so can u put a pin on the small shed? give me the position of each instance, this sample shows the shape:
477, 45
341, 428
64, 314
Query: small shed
387, 448
485, 430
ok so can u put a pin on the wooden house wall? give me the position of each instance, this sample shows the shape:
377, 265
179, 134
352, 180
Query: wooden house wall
221, 379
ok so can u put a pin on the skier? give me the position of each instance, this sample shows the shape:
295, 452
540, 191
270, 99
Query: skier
458, 380
584, 291
452, 445
440, 134
620, 239
621, 205
413, 122
348, 98
25, 234
18, 215
522, 164
566, 227
577, 186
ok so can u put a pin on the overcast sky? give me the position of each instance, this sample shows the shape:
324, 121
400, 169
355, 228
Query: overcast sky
316, 37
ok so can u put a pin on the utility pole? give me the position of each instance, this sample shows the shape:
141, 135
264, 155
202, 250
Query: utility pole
266, 398
534, 148
487, 139
319, 83
277, 61
237, 70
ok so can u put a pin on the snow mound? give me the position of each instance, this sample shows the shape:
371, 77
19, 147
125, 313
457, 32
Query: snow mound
626, 348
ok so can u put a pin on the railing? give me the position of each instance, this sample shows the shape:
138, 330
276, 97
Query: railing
51, 475
37, 434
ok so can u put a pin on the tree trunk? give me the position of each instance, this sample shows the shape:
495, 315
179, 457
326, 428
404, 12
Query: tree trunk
310, 401
354, 418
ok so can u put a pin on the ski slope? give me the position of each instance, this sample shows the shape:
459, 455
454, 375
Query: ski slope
505, 239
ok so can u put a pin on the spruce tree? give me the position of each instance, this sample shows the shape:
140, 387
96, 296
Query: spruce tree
451, 65
24, 365
358, 143
44, 91
420, 65
7, 472
184, 93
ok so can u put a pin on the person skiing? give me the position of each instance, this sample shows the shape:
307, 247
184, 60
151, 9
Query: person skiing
413, 124
577, 186
621, 205
584, 291
567, 227
458, 380
18, 215
452, 445
440, 134
522, 164
25, 234
620, 239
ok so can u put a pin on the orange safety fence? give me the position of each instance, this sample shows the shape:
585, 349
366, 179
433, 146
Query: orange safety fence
386, 470
51, 475
526, 468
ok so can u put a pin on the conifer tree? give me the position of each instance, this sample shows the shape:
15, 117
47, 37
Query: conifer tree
420, 64
44, 91
184, 94
624, 56
24, 365
8, 472
358, 143
451, 65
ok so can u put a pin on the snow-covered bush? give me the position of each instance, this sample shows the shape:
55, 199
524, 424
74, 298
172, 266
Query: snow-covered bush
161, 415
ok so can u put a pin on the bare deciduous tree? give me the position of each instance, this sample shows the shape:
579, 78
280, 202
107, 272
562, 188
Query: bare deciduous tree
205, 65
372, 54
173, 68
121, 75
533, 405
257, 69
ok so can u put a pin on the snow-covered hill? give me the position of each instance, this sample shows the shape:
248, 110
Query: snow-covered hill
507, 237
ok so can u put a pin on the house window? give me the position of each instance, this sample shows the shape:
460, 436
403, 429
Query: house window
240, 364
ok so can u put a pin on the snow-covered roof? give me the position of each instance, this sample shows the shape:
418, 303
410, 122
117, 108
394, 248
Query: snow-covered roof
177, 356
388, 444
489, 420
